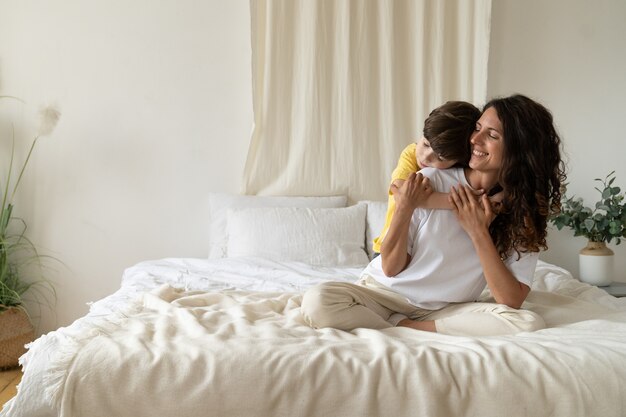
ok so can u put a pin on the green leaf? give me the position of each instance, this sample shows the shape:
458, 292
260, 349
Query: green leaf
5, 217
589, 224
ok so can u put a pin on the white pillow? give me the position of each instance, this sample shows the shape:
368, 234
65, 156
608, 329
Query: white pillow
220, 203
376, 212
316, 236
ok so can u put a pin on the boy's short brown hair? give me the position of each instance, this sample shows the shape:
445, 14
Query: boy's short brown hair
448, 128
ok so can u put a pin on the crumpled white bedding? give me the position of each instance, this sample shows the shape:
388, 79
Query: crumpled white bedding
225, 338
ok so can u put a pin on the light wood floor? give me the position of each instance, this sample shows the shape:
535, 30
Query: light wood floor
8, 382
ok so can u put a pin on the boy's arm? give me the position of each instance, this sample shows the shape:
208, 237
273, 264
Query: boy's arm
435, 200
439, 200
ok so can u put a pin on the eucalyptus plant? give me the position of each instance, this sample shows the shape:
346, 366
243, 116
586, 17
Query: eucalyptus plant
602, 223
17, 253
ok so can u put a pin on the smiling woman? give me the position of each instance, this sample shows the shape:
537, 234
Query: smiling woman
433, 269
531, 172
487, 146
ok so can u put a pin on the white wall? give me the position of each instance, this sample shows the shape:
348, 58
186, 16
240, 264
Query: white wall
157, 111
571, 56
156, 101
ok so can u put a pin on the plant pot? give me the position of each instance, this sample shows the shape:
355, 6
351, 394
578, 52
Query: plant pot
596, 264
16, 330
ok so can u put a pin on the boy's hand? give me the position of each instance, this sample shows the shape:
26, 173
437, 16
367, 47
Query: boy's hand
396, 183
496, 201
413, 192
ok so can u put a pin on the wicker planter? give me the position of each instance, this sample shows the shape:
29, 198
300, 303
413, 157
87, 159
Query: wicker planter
15, 331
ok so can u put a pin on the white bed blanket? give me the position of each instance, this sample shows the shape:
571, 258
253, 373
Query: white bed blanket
237, 351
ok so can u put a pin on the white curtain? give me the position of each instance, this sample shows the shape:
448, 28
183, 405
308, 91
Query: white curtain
342, 86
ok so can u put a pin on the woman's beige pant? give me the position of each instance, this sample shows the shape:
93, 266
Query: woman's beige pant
347, 306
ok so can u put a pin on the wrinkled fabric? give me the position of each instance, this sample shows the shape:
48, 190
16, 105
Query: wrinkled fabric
231, 352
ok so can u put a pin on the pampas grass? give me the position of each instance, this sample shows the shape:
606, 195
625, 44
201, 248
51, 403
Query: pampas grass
18, 255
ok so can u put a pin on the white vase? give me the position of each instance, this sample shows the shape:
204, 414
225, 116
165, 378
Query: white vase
596, 264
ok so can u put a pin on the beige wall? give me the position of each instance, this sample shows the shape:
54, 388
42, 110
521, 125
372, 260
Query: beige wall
156, 102
571, 56
157, 111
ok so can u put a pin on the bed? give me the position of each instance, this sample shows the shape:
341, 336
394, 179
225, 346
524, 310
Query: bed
223, 336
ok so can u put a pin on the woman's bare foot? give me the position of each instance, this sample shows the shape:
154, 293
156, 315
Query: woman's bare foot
428, 325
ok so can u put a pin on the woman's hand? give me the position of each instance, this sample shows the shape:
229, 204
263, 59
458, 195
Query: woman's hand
412, 193
474, 215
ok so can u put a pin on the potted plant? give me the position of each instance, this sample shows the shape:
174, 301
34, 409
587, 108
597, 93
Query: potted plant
603, 223
18, 255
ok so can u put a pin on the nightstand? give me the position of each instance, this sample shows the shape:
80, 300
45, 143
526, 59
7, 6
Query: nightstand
616, 289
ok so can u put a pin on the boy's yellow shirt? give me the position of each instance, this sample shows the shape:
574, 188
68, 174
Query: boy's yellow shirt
407, 163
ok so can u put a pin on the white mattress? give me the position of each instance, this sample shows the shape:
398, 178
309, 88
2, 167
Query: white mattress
192, 337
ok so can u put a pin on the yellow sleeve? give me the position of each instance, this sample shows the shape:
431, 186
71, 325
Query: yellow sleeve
407, 163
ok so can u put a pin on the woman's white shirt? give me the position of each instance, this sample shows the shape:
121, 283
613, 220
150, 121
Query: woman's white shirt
444, 266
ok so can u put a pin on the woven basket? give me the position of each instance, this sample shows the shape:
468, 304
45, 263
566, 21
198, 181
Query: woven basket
15, 331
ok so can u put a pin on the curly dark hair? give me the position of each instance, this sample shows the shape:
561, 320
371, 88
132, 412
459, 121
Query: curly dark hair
531, 175
448, 128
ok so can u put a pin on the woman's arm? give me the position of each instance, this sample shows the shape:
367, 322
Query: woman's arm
475, 218
393, 252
